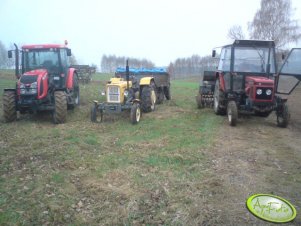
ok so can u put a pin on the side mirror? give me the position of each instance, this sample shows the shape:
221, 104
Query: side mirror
282, 56
69, 52
10, 54
213, 53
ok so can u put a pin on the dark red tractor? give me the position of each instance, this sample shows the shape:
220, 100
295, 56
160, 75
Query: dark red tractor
246, 81
45, 82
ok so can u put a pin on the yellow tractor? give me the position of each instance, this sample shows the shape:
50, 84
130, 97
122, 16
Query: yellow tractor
126, 95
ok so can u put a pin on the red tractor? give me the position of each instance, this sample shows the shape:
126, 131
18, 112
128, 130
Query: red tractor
45, 83
245, 81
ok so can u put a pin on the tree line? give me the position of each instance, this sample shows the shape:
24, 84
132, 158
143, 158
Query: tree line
191, 66
109, 63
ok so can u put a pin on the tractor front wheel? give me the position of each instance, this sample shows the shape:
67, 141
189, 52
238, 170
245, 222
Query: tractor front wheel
283, 116
232, 113
135, 113
9, 106
60, 107
96, 116
148, 98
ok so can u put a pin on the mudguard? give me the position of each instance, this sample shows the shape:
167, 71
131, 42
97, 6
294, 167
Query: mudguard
146, 81
69, 81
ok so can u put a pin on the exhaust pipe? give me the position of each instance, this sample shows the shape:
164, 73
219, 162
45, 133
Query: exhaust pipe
17, 72
127, 73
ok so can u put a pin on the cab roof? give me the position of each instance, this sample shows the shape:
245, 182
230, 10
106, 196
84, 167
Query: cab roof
44, 46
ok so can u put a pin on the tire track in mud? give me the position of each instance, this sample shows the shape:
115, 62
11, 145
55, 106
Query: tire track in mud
255, 157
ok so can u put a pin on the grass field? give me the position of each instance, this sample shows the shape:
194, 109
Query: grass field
113, 173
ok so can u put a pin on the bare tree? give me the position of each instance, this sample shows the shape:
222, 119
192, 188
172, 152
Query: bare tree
3, 56
235, 32
72, 60
273, 21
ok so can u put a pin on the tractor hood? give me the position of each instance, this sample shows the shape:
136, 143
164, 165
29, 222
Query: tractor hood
260, 80
39, 73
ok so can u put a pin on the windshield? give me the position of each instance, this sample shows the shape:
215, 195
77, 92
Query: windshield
253, 59
41, 58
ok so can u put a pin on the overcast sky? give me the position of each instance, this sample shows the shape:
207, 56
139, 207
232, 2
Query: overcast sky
158, 30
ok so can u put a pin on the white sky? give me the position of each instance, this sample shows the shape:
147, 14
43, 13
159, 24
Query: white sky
159, 30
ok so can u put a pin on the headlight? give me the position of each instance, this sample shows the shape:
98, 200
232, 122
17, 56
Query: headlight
33, 88
259, 91
126, 93
268, 92
22, 88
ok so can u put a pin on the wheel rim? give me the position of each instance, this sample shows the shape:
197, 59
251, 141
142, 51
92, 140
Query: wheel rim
138, 114
230, 115
153, 99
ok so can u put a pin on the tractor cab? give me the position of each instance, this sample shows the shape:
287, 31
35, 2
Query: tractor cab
245, 81
247, 61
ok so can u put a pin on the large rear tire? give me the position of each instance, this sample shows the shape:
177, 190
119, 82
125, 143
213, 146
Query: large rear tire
148, 98
135, 113
218, 97
9, 106
232, 113
283, 117
60, 107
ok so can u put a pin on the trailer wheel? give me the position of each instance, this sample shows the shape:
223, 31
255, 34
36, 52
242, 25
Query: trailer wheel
283, 117
9, 106
160, 98
167, 92
96, 116
135, 113
60, 107
199, 101
148, 98
218, 96
232, 113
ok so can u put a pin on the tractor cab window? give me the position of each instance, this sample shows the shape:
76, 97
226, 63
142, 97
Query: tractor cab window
41, 58
225, 59
64, 58
253, 59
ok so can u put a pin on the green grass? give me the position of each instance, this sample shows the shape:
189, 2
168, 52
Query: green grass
113, 173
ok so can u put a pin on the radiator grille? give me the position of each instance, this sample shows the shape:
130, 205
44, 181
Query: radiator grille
113, 94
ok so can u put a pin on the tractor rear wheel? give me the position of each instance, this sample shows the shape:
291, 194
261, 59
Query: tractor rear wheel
9, 106
95, 115
148, 98
135, 113
232, 113
218, 97
283, 117
60, 107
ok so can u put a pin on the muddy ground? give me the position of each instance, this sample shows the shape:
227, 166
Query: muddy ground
255, 157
